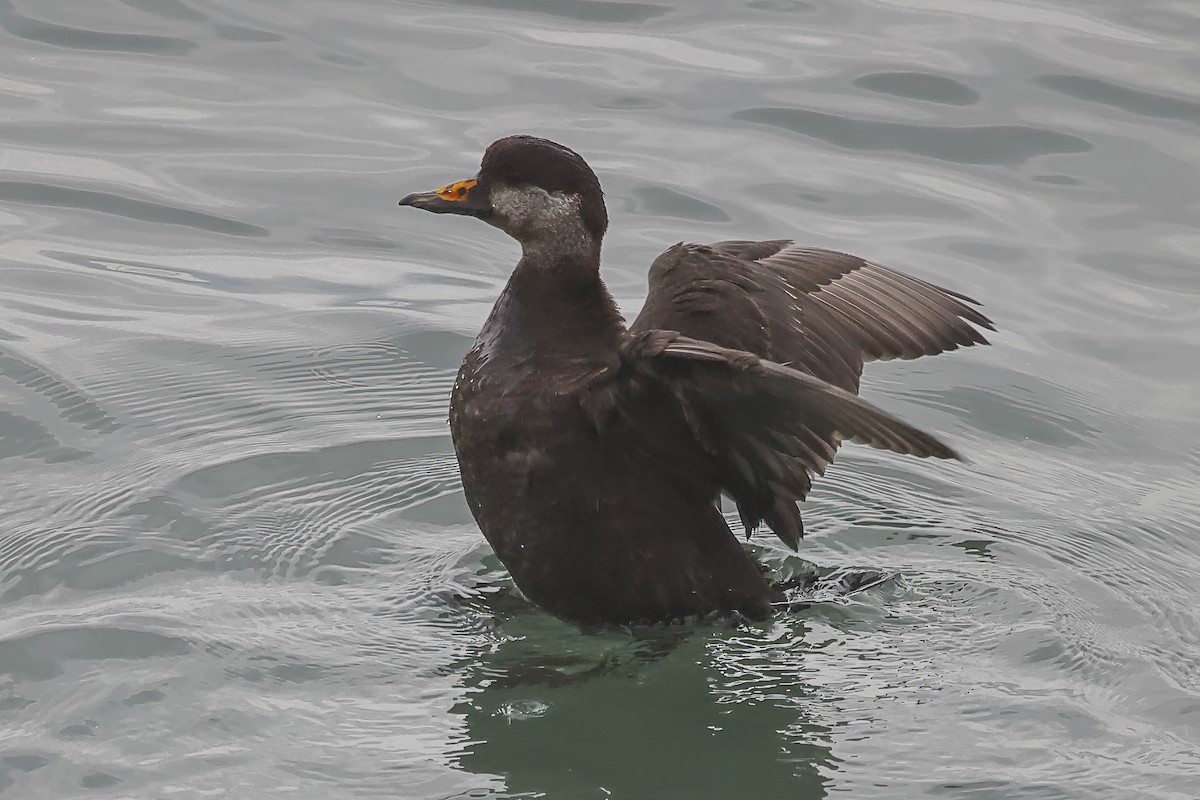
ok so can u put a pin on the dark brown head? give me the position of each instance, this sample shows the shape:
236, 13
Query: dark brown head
533, 189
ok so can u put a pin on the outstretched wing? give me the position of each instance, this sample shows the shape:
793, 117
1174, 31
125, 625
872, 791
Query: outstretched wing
818, 311
766, 427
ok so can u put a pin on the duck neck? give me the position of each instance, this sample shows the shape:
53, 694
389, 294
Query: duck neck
561, 251
556, 308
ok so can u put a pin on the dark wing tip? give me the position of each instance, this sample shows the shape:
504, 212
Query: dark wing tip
886, 432
939, 449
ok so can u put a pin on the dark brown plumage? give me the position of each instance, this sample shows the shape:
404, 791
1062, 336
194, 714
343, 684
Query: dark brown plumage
593, 455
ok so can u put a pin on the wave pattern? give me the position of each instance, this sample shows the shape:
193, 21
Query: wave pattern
234, 555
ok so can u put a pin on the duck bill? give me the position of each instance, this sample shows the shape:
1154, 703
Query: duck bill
462, 197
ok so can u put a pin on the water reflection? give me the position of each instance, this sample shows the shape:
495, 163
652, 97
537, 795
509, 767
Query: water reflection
567, 715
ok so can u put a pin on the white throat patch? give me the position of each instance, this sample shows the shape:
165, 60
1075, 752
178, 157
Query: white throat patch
547, 224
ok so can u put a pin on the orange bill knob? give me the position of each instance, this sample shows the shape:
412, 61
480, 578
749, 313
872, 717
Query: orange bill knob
456, 192
462, 197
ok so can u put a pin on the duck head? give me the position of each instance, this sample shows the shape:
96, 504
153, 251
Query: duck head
540, 193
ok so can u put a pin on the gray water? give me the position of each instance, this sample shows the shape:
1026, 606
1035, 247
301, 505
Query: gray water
234, 556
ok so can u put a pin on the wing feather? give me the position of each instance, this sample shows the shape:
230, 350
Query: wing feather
763, 344
820, 311
768, 427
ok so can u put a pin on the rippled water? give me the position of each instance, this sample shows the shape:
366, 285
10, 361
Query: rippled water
234, 558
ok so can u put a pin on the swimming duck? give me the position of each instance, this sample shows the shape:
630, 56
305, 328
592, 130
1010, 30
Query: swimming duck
593, 455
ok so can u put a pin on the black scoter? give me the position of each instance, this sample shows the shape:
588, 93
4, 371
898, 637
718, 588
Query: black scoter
593, 454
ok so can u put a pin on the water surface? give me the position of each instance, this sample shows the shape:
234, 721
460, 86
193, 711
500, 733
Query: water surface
234, 556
